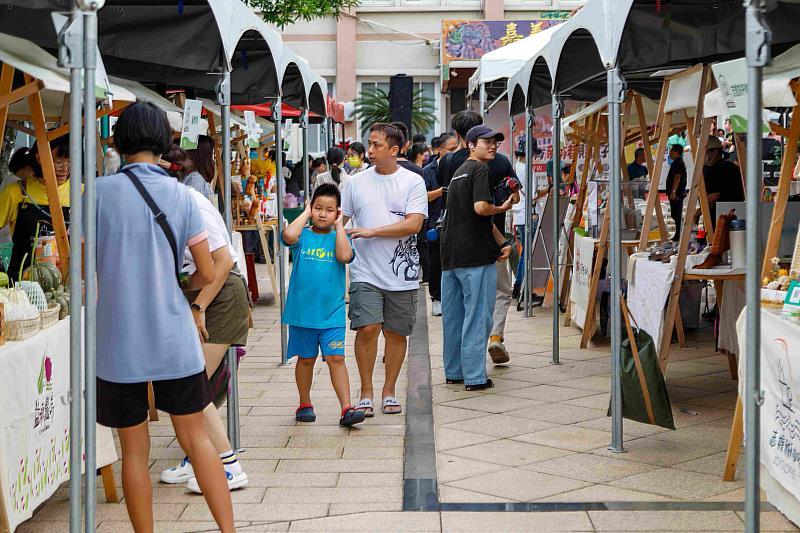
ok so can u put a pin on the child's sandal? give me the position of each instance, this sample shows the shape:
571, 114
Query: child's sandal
305, 413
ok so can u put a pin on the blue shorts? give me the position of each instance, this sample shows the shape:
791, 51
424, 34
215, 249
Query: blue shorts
307, 343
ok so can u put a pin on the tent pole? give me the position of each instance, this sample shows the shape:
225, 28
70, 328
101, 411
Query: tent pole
482, 99
70, 56
224, 101
306, 166
758, 51
557, 114
616, 95
528, 249
90, 265
511, 156
279, 250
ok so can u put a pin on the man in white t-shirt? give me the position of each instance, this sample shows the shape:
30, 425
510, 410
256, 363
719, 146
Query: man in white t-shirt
388, 205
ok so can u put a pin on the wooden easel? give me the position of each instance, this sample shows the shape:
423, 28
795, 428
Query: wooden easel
697, 193
601, 136
773, 242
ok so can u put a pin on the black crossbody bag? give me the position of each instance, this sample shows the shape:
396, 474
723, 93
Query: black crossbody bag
161, 220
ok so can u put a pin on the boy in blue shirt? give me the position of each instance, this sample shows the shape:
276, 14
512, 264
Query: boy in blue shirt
315, 307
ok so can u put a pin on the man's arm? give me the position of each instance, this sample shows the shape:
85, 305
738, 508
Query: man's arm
410, 225
500, 239
485, 209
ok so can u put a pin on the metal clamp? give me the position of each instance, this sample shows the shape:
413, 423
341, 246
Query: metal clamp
70, 44
759, 398
224, 89
558, 110
304, 118
758, 54
618, 88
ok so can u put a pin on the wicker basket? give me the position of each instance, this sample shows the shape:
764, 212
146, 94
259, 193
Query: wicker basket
49, 316
19, 330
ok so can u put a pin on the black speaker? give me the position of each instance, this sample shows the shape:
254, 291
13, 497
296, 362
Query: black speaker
401, 99
458, 100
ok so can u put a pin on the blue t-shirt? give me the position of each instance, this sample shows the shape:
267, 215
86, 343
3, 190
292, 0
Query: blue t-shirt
145, 330
316, 288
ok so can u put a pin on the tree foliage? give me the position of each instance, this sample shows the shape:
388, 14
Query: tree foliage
285, 12
373, 107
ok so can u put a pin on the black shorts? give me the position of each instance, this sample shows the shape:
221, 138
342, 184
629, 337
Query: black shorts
123, 405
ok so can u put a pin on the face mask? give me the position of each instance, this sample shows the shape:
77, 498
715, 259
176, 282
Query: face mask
354, 161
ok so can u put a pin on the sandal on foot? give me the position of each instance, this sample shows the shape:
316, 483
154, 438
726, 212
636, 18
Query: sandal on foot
480, 386
351, 417
305, 413
391, 406
367, 407
455, 381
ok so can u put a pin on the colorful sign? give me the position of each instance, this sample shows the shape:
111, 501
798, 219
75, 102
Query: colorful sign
470, 39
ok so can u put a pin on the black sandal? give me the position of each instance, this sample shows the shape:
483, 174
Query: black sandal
454, 381
480, 386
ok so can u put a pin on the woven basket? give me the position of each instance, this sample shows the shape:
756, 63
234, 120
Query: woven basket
19, 330
49, 316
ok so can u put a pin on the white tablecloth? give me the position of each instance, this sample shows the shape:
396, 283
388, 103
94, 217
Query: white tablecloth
648, 290
780, 416
582, 263
34, 422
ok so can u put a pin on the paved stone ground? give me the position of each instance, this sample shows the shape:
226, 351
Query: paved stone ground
539, 435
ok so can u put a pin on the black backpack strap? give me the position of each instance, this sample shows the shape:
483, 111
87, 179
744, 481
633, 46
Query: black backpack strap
161, 219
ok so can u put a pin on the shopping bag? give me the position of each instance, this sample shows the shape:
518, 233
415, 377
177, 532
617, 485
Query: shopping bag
644, 392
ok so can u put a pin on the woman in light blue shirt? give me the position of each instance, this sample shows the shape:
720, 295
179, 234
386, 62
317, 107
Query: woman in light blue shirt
145, 331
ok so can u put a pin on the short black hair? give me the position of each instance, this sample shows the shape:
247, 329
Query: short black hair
436, 142
638, 152
142, 127
22, 158
444, 137
677, 148
403, 129
566, 169
327, 189
318, 162
394, 135
59, 147
463, 121
419, 138
358, 148
416, 149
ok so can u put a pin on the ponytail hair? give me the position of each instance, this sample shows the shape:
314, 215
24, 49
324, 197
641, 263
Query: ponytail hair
335, 158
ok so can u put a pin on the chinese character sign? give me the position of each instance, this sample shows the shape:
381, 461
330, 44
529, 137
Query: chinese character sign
471, 39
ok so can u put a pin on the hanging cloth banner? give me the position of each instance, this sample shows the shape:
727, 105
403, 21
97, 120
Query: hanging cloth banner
253, 129
190, 131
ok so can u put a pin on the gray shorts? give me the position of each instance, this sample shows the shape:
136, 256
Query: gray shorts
395, 310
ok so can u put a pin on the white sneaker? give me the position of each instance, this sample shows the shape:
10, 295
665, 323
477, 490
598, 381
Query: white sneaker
235, 481
436, 308
498, 352
178, 474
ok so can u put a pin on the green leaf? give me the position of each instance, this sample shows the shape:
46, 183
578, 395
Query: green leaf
285, 12
373, 107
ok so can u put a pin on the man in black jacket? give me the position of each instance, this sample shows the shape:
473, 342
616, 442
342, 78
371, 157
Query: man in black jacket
500, 170
676, 187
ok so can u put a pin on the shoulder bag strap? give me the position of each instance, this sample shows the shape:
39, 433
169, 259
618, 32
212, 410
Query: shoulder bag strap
161, 219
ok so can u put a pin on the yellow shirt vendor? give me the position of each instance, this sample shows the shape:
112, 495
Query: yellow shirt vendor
23, 205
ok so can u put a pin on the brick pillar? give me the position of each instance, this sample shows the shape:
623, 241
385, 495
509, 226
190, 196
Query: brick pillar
346, 86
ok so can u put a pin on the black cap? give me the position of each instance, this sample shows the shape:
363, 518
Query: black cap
484, 132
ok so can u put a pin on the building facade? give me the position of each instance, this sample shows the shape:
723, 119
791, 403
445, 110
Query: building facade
382, 38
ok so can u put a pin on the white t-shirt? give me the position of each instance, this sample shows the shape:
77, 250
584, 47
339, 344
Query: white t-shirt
373, 200
217, 231
519, 208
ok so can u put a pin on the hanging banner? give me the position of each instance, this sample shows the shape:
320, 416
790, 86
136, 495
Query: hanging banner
190, 131
252, 128
732, 81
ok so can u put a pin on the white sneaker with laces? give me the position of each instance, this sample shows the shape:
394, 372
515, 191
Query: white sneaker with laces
178, 474
436, 308
235, 481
